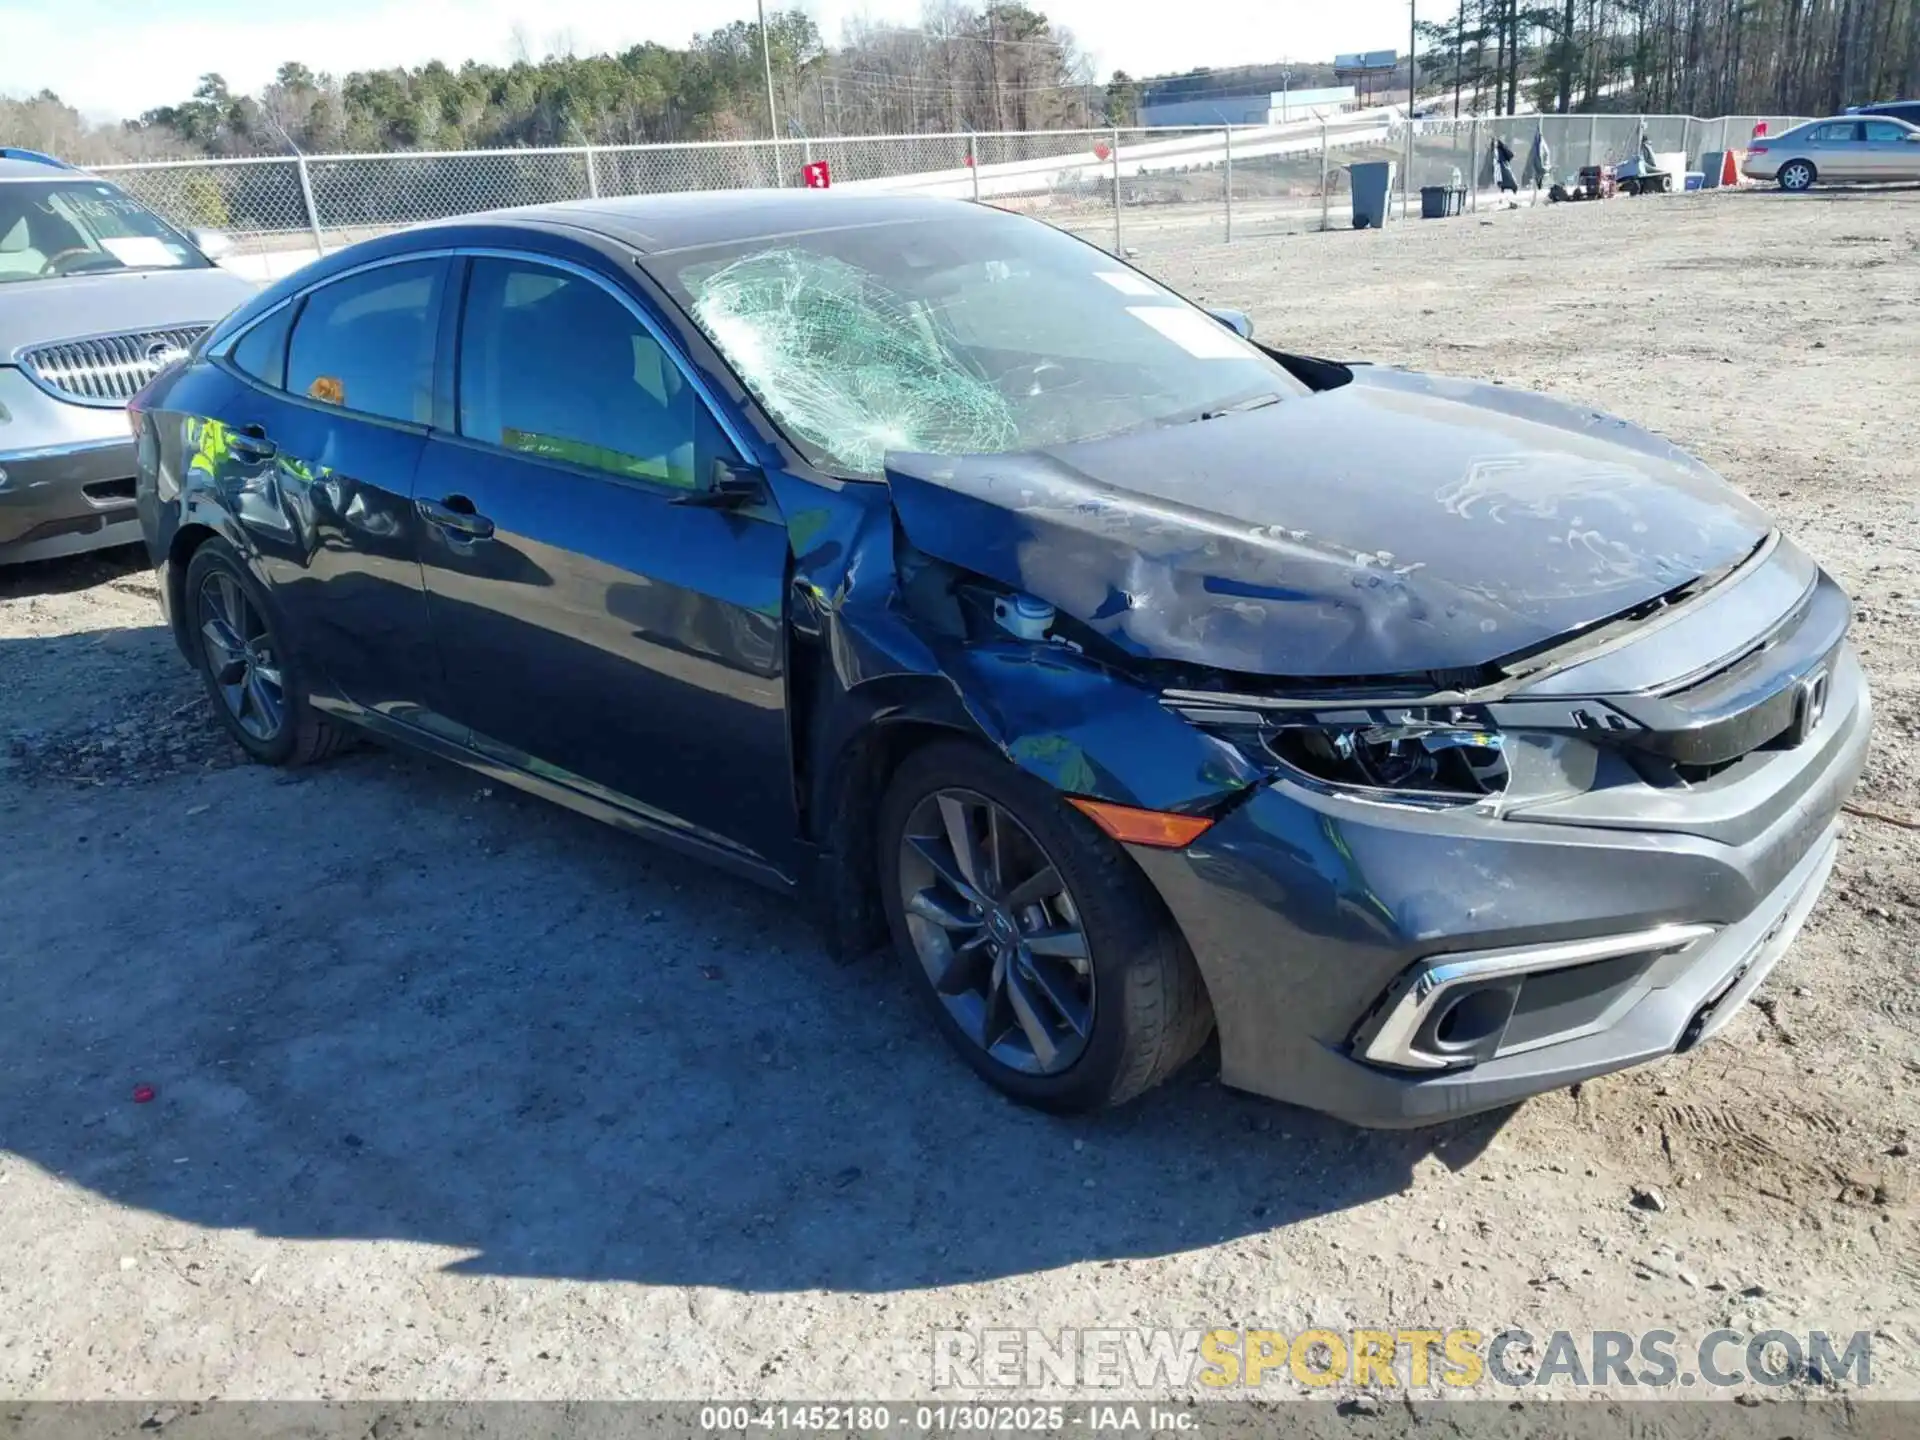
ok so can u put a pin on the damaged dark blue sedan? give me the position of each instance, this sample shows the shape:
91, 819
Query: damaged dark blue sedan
1434, 743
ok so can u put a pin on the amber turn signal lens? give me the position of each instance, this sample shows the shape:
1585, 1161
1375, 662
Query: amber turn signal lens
1142, 827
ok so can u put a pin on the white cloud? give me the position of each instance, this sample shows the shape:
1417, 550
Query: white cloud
114, 58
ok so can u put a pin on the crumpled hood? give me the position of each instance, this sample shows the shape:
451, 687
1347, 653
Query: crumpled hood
1400, 524
37, 312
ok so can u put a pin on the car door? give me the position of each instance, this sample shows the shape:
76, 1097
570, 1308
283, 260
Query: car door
1892, 150
1837, 151
592, 627
319, 453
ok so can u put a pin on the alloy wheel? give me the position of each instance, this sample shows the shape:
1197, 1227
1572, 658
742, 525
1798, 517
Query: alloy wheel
241, 657
997, 932
1797, 177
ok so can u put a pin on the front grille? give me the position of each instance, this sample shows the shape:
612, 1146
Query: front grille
108, 369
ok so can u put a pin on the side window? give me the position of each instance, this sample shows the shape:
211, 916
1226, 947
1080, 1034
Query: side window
262, 351
1885, 132
554, 366
1833, 134
366, 342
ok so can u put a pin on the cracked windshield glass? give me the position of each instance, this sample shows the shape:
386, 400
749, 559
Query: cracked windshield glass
973, 336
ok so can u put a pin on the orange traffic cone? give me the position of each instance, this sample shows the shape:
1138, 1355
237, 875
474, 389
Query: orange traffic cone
1729, 170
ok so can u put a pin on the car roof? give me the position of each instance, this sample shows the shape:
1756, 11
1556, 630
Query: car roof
11, 169
688, 220
1868, 112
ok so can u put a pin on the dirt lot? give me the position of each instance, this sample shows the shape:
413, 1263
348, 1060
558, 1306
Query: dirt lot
460, 1095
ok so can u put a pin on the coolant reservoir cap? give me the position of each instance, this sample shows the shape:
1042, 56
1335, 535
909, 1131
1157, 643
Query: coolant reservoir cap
1024, 615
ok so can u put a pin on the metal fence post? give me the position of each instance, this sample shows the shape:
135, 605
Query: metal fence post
1686, 140
313, 211
593, 180
1115, 142
1473, 161
1323, 173
1406, 180
1227, 135
1593, 139
973, 166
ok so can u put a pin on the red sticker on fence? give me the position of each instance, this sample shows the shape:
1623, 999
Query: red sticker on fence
816, 174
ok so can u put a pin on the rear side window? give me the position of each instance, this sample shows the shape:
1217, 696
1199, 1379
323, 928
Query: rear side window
1833, 134
366, 342
552, 365
262, 351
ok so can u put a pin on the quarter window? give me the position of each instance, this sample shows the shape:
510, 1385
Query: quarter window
552, 365
262, 351
366, 343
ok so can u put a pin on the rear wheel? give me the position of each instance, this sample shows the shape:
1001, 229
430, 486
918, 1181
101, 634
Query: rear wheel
1797, 175
1046, 958
241, 653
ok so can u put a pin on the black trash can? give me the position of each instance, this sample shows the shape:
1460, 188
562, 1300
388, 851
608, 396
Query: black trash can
1437, 202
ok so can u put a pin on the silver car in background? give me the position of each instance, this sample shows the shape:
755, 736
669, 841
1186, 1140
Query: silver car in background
97, 293
1844, 148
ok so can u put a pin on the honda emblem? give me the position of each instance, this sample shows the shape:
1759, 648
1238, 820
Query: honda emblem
1809, 704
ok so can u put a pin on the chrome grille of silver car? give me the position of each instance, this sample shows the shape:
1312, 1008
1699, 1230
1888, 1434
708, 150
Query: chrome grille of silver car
107, 369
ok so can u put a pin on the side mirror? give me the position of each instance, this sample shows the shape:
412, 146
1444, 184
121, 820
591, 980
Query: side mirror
729, 489
1237, 321
213, 244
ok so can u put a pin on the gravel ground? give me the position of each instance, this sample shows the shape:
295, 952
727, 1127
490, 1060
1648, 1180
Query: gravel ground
459, 1095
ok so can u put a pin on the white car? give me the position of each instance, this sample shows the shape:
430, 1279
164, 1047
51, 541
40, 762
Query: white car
1846, 147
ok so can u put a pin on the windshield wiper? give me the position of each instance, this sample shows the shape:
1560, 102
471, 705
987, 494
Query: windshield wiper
1258, 402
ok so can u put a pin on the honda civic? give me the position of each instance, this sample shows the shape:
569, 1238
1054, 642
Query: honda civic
1434, 743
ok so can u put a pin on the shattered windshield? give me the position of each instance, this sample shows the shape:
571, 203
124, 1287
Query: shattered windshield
51, 228
975, 334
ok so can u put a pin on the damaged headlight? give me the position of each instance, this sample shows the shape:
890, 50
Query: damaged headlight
1399, 758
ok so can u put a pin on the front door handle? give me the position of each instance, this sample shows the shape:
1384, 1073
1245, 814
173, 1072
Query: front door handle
250, 442
455, 514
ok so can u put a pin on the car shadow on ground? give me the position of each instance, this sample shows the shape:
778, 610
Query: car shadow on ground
72, 572
382, 999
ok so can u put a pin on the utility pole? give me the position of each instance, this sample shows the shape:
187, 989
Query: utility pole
1413, 89
766, 59
1413, 49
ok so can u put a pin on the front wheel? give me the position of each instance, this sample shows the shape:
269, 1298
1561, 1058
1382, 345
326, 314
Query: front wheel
242, 655
1047, 960
1797, 175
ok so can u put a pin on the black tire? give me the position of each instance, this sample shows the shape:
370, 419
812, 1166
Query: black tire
303, 735
1150, 1012
1797, 175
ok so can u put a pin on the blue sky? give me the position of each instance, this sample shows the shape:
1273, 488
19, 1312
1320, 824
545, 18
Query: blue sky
119, 57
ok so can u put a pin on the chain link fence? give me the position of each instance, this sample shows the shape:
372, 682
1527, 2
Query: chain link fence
1130, 190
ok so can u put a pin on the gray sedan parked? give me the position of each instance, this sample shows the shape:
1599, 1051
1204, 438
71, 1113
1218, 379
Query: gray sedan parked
1847, 147
97, 293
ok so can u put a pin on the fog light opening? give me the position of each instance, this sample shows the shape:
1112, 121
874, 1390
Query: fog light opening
1467, 1025
1473, 1019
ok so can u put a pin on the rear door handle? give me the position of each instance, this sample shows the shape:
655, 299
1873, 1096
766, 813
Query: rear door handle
250, 442
455, 514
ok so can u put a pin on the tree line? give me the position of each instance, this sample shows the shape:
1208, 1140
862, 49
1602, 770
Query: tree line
1699, 57
989, 66
993, 66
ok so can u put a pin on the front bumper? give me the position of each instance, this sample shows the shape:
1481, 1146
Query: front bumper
66, 499
1305, 909
66, 475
